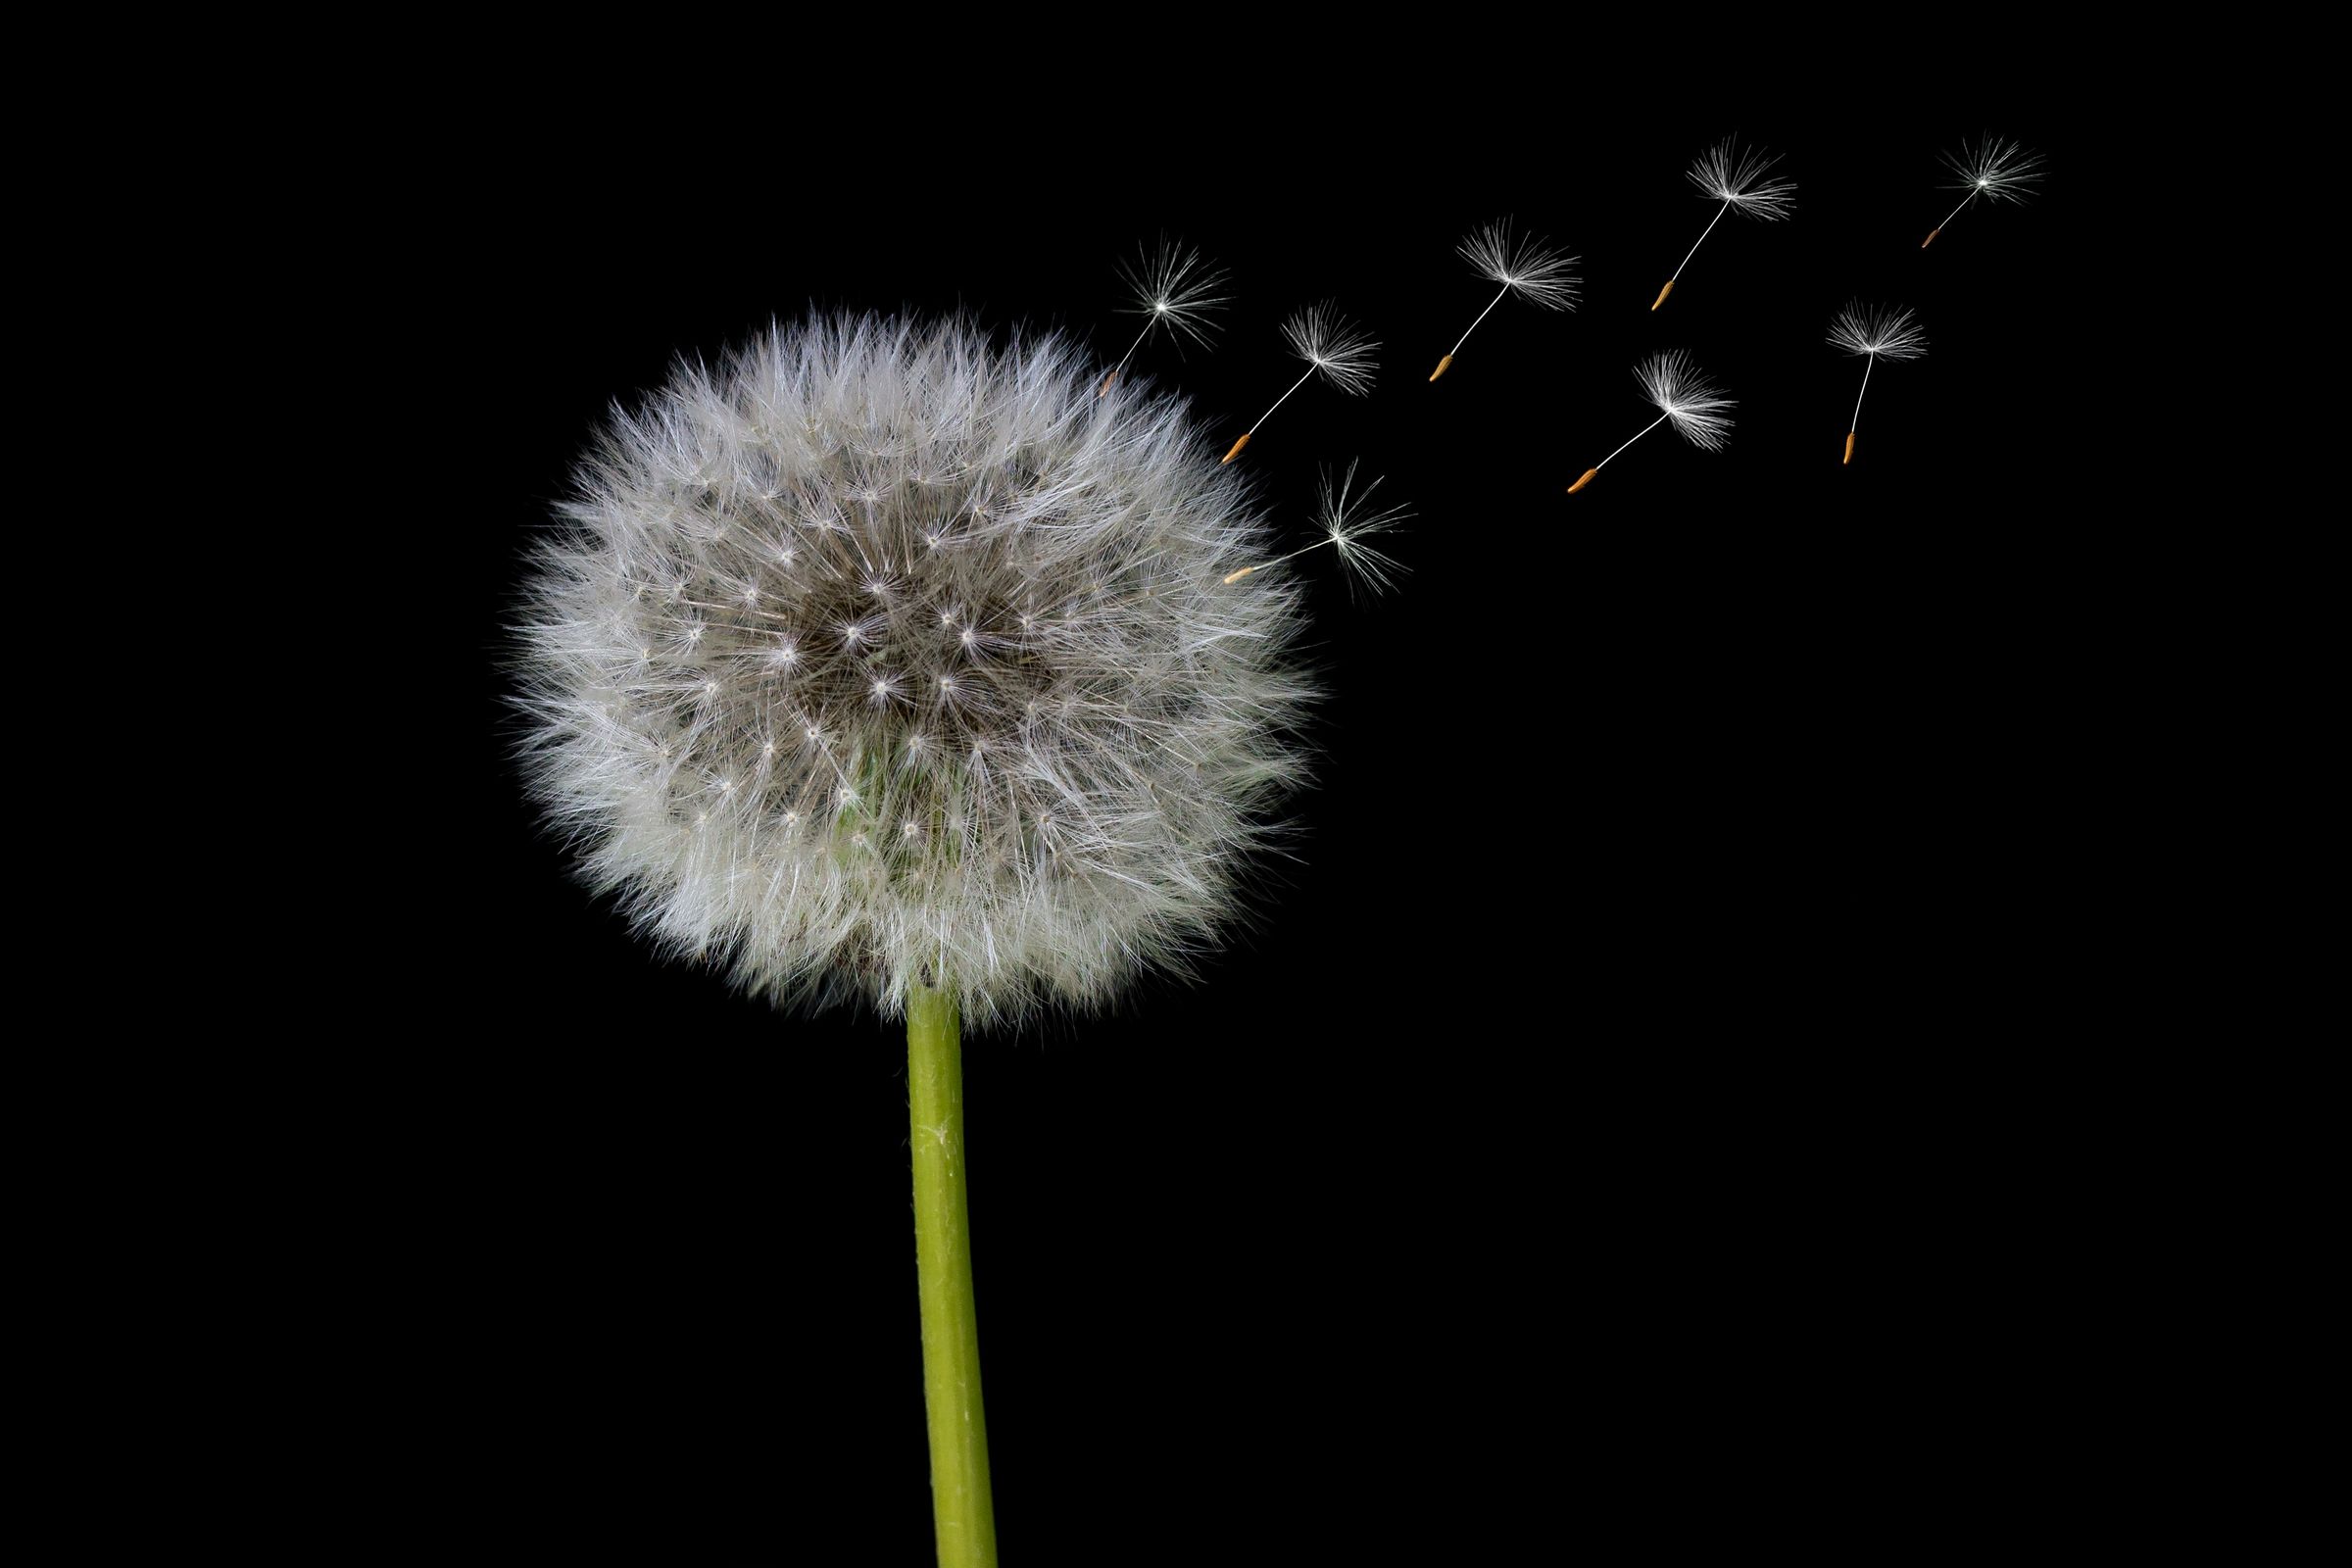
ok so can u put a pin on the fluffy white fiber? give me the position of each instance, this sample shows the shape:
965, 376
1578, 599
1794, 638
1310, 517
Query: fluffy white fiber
883, 654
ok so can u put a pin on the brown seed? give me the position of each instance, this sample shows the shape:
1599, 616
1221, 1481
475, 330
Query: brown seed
1662, 293
1586, 480
1236, 451
1441, 370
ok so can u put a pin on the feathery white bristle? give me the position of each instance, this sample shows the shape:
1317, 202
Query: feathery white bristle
1674, 386
882, 654
1999, 170
1886, 332
1329, 342
1727, 174
1527, 267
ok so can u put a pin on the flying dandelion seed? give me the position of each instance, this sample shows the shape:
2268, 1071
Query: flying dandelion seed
1674, 386
1347, 521
1736, 179
1538, 276
1877, 334
1173, 288
1343, 353
1995, 170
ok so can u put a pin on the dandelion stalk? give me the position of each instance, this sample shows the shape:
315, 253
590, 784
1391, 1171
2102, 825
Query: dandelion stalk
1111, 375
1736, 178
1876, 334
962, 1513
1853, 426
1687, 255
1947, 217
1674, 386
1344, 354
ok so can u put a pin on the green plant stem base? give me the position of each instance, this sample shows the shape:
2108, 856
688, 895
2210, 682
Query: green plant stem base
962, 1514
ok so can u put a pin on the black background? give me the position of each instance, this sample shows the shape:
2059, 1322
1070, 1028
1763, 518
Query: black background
1608, 1117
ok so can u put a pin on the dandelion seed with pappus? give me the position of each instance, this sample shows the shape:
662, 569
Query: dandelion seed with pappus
1347, 521
1877, 334
1343, 353
1173, 288
1674, 387
1995, 170
1538, 275
888, 664
1738, 179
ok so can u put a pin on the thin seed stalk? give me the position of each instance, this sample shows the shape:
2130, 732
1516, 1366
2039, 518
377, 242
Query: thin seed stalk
963, 1516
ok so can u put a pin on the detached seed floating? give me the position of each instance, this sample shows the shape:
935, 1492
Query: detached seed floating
1345, 353
1674, 386
1738, 180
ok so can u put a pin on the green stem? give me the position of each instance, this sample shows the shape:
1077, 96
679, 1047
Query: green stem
962, 1512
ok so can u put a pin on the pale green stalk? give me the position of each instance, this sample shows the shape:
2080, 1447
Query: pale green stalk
962, 1515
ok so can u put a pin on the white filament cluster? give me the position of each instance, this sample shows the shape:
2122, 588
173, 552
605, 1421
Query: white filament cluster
1348, 518
1674, 386
1329, 342
1999, 170
1728, 173
1886, 332
884, 656
1526, 266
1172, 287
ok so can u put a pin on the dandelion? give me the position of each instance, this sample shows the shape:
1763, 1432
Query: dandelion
1526, 267
1329, 343
1676, 388
1171, 288
1738, 180
1995, 170
885, 663
1876, 333
811, 538
1346, 522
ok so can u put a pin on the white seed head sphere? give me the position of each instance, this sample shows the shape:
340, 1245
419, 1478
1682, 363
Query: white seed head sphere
884, 655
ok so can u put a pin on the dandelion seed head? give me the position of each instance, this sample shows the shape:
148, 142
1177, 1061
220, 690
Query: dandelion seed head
1889, 332
1727, 173
2001, 171
1348, 356
1028, 765
1677, 389
1527, 267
